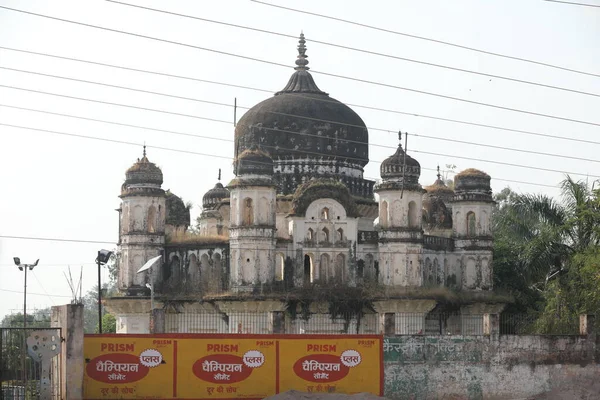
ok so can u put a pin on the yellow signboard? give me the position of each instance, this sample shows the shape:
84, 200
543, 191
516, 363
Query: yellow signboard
190, 366
338, 364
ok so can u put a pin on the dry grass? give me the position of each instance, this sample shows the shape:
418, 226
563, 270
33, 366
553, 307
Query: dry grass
472, 172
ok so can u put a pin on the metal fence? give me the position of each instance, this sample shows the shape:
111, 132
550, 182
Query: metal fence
527, 324
437, 323
324, 323
23, 377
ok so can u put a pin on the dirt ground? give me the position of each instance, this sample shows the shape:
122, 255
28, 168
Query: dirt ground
295, 395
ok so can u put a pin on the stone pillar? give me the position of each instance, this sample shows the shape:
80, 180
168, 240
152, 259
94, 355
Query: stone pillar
586, 324
278, 322
491, 324
69, 318
157, 321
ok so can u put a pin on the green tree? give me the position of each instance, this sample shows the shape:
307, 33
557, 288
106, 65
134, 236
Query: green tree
109, 324
542, 246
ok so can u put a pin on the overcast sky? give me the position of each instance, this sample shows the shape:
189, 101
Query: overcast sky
58, 186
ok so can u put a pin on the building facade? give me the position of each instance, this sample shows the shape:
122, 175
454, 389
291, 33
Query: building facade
299, 214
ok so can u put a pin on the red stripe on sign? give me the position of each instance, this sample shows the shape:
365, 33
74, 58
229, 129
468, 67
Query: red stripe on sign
175, 368
277, 367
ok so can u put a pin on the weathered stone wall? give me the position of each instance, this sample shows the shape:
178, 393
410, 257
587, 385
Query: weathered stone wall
487, 367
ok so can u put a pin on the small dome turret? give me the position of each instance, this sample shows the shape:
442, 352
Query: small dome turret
214, 195
400, 170
472, 185
254, 161
436, 204
439, 189
142, 177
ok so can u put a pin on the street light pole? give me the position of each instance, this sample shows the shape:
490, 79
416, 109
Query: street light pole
99, 296
103, 257
24, 267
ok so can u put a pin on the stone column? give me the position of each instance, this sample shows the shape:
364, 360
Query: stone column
586, 324
491, 325
69, 318
157, 321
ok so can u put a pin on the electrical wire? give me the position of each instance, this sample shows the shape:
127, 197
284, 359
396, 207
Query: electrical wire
412, 114
428, 39
573, 3
299, 117
313, 40
229, 158
42, 286
366, 81
280, 148
32, 293
55, 239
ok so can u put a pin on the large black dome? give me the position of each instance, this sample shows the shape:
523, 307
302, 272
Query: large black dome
307, 134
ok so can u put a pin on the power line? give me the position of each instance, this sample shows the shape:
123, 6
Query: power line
572, 3
312, 40
66, 264
32, 293
294, 150
412, 114
427, 39
284, 114
54, 239
42, 286
229, 158
382, 84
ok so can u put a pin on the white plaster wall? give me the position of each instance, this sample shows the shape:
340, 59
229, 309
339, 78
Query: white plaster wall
483, 212
133, 323
397, 215
400, 264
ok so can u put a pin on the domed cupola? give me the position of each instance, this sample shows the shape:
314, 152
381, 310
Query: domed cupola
308, 134
437, 212
142, 177
400, 170
254, 161
215, 195
472, 185
438, 189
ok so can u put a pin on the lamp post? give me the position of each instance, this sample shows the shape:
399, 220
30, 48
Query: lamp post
102, 259
24, 267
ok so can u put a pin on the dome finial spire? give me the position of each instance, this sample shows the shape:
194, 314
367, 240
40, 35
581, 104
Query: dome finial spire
301, 61
219, 174
144, 152
439, 176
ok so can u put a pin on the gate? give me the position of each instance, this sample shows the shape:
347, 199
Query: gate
30, 363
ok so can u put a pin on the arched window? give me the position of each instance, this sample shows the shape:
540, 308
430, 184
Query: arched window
151, 223
217, 273
325, 213
325, 235
324, 268
383, 214
138, 218
194, 270
263, 211
308, 269
428, 276
279, 273
471, 224
340, 235
412, 214
340, 265
310, 235
248, 212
